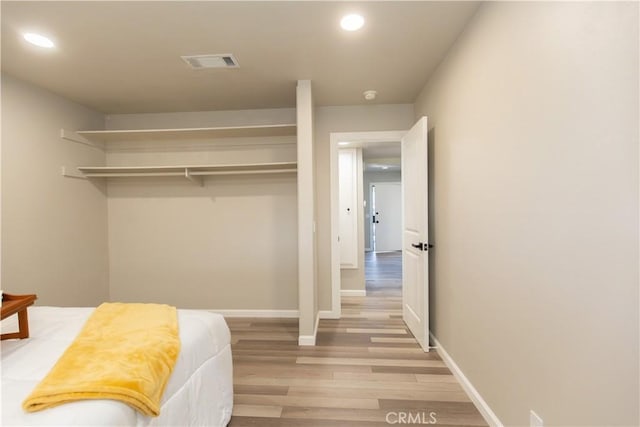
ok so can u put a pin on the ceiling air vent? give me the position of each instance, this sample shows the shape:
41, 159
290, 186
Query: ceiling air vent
198, 62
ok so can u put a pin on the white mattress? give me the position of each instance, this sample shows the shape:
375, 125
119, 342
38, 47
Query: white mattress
199, 392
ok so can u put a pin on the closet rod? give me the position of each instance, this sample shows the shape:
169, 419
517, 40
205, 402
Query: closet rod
186, 173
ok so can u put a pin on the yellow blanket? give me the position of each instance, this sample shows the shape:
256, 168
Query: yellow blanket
124, 352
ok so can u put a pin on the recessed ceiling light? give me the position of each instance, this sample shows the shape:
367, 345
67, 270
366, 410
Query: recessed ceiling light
385, 167
352, 22
344, 143
38, 40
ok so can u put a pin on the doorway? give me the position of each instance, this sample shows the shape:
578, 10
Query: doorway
374, 150
415, 238
385, 212
383, 260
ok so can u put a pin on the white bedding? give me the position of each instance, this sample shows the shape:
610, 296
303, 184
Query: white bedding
199, 392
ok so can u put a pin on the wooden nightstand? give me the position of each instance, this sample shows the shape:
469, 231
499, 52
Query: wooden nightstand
12, 304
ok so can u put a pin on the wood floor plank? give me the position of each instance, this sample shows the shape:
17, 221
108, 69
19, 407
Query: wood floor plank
240, 336
374, 393
393, 340
410, 369
297, 422
240, 374
364, 352
380, 313
280, 385
430, 378
268, 343
313, 401
251, 387
303, 370
370, 415
240, 410
286, 360
405, 350
376, 331
383, 377
369, 315
370, 362
329, 352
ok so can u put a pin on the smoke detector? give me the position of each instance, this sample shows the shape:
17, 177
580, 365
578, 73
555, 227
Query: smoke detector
224, 60
370, 95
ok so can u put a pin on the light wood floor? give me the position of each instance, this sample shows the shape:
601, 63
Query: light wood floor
365, 367
383, 273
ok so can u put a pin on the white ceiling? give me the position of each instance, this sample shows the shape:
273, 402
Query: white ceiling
381, 157
124, 57
383, 166
384, 150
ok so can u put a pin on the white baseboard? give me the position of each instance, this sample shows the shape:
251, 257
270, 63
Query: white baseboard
353, 293
258, 313
310, 339
306, 340
489, 416
328, 314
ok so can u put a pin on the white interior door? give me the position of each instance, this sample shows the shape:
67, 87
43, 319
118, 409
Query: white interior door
387, 216
415, 262
348, 181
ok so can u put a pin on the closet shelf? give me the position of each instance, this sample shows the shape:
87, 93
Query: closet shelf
187, 170
189, 133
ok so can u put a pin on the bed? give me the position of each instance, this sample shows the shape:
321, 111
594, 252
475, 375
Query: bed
199, 391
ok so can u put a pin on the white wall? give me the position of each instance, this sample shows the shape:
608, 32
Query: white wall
231, 244
307, 273
534, 149
372, 177
54, 229
345, 119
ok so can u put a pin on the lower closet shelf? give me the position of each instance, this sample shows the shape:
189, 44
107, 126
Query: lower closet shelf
187, 171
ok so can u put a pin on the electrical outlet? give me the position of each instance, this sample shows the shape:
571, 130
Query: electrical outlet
535, 420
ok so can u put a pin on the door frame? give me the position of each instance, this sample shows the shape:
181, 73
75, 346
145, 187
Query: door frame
358, 139
371, 227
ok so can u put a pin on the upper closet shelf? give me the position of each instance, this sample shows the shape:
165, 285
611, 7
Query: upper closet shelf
189, 133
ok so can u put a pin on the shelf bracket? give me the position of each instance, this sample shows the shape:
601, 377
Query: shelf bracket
74, 137
195, 179
71, 173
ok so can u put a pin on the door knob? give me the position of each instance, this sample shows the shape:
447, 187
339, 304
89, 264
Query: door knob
422, 246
